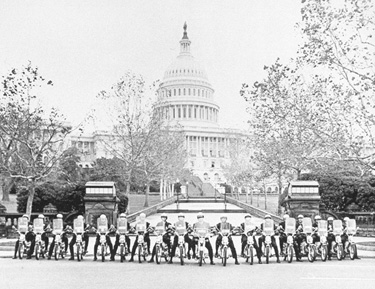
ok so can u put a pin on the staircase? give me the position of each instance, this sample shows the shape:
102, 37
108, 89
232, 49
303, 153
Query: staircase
199, 189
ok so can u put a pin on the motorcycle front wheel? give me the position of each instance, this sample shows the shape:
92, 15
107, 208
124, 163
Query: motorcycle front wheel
140, 253
290, 254
37, 251
57, 252
340, 251
251, 253
103, 251
79, 256
224, 256
122, 253
267, 253
324, 253
352, 251
310, 253
157, 254
182, 255
20, 251
200, 258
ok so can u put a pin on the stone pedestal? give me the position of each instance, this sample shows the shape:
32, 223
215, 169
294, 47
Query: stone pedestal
100, 199
303, 198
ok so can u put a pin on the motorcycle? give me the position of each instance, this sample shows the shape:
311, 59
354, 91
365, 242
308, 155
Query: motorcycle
268, 230
78, 230
23, 246
122, 225
290, 229
59, 250
142, 245
249, 248
308, 247
102, 223
181, 231
39, 245
351, 230
202, 252
337, 245
322, 247
160, 247
223, 249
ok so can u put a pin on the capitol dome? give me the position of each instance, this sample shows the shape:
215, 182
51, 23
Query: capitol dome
185, 92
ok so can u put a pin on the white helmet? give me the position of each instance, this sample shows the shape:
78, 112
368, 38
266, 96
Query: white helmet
59, 216
224, 216
317, 217
41, 216
267, 217
300, 217
346, 219
79, 217
330, 219
122, 215
25, 216
142, 215
286, 216
200, 215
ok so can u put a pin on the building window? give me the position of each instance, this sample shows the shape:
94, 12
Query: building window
194, 91
174, 112
184, 111
189, 111
195, 112
193, 145
179, 91
199, 92
189, 92
184, 91
212, 164
174, 92
179, 112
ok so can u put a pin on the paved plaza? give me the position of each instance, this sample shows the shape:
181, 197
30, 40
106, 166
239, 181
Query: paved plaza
88, 274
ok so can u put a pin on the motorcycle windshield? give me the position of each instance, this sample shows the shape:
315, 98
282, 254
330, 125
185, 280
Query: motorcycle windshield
322, 227
122, 225
337, 227
78, 226
181, 230
159, 230
307, 225
290, 226
141, 227
268, 226
22, 225
225, 231
38, 226
57, 225
249, 227
201, 232
102, 225
352, 227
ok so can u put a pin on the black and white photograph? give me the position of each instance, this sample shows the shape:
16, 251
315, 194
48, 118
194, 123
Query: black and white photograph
187, 144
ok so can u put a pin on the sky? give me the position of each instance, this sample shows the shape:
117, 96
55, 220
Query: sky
86, 46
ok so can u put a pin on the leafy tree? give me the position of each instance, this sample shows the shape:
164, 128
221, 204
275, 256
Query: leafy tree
339, 44
35, 137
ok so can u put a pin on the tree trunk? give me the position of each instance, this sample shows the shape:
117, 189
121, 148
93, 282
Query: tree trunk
4, 188
265, 198
29, 205
247, 195
251, 196
161, 189
146, 195
280, 184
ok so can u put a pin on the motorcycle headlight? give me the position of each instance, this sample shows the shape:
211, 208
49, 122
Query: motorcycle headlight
79, 238
290, 239
268, 239
122, 238
102, 238
338, 239
22, 237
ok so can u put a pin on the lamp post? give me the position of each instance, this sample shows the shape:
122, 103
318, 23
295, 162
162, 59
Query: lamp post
177, 202
187, 190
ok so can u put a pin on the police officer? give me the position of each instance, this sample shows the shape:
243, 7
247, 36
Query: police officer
52, 246
68, 232
330, 237
273, 241
117, 242
73, 241
315, 226
29, 237
248, 229
224, 225
201, 224
299, 237
283, 236
142, 220
111, 230
166, 236
181, 223
47, 230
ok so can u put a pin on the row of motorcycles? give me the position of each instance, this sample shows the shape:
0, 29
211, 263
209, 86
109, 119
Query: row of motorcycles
307, 248
312, 250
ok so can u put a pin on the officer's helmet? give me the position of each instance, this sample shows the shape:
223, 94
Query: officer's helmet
59, 216
317, 218
200, 215
25, 216
164, 215
122, 215
41, 216
267, 217
286, 216
330, 219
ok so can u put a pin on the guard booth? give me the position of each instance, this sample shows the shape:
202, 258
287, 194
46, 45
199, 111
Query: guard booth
303, 198
100, 198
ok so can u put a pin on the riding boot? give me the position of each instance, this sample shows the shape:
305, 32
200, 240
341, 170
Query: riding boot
243, 245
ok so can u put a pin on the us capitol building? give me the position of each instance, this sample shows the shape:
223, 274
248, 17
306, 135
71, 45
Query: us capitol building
187, 99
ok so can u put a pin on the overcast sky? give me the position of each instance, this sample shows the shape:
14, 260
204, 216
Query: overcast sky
85, 46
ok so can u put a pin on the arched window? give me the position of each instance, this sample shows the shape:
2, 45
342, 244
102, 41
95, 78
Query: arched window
174, 92
179, 91
184, 91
